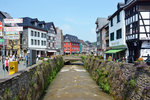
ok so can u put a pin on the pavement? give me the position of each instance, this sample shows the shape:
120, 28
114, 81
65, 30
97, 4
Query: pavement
5, 74
73, 82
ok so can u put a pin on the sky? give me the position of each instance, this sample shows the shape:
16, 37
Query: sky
75, 17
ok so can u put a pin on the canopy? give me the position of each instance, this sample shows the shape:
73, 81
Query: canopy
113, 51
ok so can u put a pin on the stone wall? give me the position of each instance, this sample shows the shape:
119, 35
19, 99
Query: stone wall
30, 83
122, 80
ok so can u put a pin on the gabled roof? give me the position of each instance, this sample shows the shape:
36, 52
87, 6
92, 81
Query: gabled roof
29, 22
6, 15
101, 22
120, 8
49, 25
71, 38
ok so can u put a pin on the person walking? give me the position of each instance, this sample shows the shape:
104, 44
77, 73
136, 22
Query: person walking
7, 64
26, 58
11, 58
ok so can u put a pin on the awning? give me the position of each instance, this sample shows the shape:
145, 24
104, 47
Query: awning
113, 51
51, 51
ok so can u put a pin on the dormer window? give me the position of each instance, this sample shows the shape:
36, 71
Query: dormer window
42, 25
35, 23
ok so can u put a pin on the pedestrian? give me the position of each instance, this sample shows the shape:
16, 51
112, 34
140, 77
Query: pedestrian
11, 58
26, 58
7, 64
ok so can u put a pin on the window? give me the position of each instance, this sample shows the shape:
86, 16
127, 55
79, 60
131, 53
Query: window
68, 48
35, 42
118, 18
38, 42
16, 42
42, 35
68, 43
41, 42
9, 41
31, 41
119, 34
38, 34
111, 22
111, 36
35, 34
31, 33
45, 43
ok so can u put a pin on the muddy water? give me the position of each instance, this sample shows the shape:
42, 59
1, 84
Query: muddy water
73, 82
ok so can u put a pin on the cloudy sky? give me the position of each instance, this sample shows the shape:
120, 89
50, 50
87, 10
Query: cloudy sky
76, 17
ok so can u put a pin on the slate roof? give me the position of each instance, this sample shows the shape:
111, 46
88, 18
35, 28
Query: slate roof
6, 15
29, 22
48, 26
101, 22
71, 38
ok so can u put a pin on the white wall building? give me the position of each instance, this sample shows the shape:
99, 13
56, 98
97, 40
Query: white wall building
117, 37
33, 36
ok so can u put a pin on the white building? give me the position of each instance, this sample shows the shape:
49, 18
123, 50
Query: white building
51, 39
137, 16
33, 36
117, 37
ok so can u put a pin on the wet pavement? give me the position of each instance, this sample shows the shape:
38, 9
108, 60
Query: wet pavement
73, 82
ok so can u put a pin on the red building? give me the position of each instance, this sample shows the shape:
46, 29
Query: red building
71, 44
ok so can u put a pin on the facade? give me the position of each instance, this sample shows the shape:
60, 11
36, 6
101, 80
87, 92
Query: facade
71, 44
34, 36
100, 31
51, 39
83, 47
117, 38
137, 17
91, 49
12, 47
106, 40
59, 41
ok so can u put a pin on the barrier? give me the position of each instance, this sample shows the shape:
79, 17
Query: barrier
13, 67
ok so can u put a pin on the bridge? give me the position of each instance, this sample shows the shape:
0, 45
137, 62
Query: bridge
71, 58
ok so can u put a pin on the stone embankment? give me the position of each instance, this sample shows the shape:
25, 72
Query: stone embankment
30, 83
122, 80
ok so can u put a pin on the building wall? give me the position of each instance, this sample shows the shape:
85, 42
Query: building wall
116, 26
36, 38
72, 47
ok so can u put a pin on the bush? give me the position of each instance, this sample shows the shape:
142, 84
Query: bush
41, 58
83, 57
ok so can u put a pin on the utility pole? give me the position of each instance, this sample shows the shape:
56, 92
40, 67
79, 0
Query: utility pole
3, 57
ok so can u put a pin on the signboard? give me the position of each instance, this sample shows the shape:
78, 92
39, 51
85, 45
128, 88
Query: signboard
1, 27
12, 29
13, 20
14, 33
12, 37
1, 40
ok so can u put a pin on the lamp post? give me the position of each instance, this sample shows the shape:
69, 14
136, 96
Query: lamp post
3, 55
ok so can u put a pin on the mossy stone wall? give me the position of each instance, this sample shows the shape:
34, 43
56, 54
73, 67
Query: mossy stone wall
122, 80
30, 83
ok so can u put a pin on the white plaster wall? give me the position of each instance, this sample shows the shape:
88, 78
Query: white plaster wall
37, 38
116, 26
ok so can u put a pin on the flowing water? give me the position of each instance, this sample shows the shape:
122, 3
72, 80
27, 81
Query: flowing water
73, 82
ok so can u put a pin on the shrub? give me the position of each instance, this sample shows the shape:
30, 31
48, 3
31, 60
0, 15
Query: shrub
41, 58
83, 57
